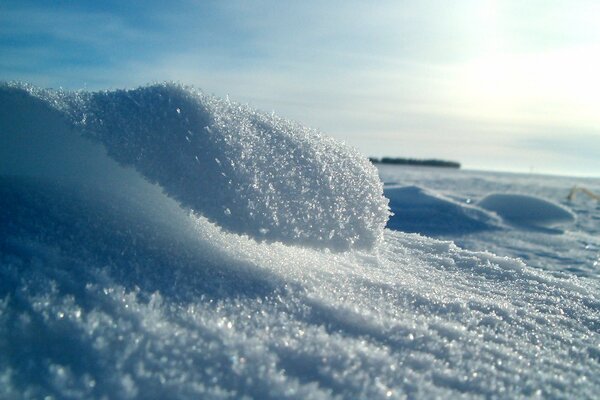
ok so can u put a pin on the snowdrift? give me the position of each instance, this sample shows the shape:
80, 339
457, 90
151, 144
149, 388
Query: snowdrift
420, 210
527, 210
249, 172
109, 288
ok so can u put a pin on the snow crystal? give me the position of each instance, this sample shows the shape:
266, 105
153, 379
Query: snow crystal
250, 172
98, 301
124, 294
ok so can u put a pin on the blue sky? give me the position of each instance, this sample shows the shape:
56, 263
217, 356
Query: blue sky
508, 85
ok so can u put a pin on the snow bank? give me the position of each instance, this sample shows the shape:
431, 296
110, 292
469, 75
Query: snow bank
424, 211
249, 172
102, 296
98, 300
527, 210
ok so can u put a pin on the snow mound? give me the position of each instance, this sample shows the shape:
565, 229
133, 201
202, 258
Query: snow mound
249, 172
97, 300
110, 289
419, 210
527, 210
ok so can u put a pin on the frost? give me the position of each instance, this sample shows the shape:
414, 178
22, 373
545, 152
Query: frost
110, 289
301, 185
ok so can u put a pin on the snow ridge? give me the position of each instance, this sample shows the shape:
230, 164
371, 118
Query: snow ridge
110, 289
250, 172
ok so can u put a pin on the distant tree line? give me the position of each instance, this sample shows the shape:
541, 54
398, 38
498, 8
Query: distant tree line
412, 161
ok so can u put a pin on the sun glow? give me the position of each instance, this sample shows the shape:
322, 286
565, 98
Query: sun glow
564, 80
509, 75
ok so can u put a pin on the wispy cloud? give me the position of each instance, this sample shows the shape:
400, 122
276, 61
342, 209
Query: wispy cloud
450, 79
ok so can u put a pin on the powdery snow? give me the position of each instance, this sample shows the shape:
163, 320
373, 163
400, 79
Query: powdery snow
568, 248
250, 172
420, 210
121, 293
527, 210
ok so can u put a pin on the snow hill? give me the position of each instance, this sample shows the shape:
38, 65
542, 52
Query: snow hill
419, 210
527, 210
249, 172
110, 287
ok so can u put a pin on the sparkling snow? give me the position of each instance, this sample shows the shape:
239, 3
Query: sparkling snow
249, 172
527, 210
109, 288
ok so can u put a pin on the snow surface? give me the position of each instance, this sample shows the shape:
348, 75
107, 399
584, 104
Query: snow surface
420, 210
527, 210
249, 172
109, 288
572, 247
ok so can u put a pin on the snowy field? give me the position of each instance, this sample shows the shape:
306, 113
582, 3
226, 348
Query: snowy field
443, 203
161, 243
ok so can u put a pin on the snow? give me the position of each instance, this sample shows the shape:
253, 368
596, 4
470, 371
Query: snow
527, 210
425, 211
573, 247
249, 172
110, 288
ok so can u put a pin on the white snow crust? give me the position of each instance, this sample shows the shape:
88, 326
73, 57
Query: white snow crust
110, 289
527, 210
421, 210
250, 172
452, 196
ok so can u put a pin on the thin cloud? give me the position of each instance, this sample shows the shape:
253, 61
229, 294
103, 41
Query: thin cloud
415, 74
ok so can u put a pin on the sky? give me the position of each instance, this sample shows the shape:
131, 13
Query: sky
496, 85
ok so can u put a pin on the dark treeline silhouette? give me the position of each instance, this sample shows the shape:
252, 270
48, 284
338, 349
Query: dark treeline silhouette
412, 161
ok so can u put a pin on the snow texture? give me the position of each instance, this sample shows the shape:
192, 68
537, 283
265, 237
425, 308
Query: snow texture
571, 248
110, 289
249, 172
527, 210
420, 210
